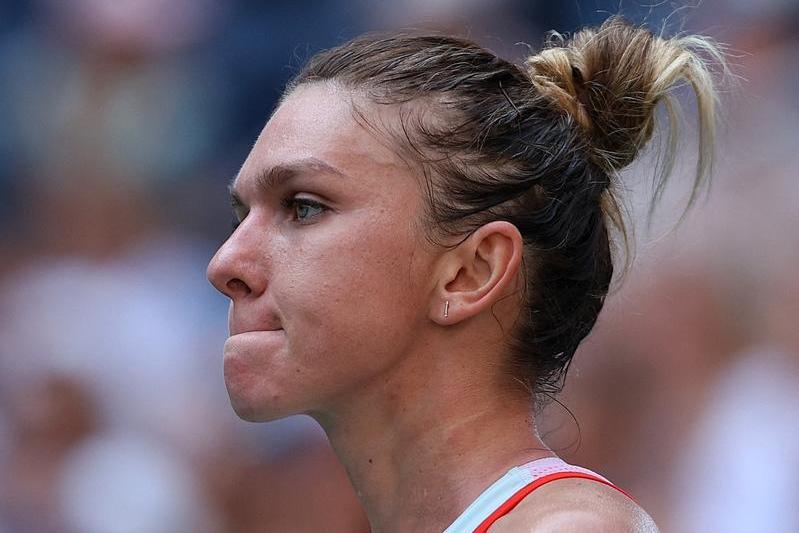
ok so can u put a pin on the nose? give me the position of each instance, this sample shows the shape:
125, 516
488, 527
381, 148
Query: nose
233, 272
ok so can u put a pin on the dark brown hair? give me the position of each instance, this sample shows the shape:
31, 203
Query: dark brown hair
537, 145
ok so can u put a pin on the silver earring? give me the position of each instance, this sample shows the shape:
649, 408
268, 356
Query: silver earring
446, 309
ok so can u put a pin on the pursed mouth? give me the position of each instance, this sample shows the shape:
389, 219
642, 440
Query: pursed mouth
232, 333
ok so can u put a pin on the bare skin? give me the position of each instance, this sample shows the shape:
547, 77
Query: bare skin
337, 311
576, 506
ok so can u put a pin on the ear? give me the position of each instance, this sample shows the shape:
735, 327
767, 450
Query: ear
477, 273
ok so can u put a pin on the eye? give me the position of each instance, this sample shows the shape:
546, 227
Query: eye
236, 219
305, 209
239, 212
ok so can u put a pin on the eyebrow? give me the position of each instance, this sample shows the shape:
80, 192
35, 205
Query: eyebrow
275, 176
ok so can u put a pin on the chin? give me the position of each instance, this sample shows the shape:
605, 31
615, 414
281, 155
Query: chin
248, 413
249, 396
253, 413
254, 407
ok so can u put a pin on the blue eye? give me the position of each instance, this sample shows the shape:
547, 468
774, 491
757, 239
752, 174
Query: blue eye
236, 221
304, 209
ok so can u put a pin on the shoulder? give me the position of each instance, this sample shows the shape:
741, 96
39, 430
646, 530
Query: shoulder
575, 505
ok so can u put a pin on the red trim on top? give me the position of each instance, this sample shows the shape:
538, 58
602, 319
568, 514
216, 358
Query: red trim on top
519, 495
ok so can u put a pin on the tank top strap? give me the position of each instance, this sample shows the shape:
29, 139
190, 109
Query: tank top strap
505, 493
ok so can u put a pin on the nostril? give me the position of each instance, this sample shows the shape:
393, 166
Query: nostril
237, 286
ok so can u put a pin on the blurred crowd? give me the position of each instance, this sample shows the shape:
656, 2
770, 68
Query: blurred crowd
124, 120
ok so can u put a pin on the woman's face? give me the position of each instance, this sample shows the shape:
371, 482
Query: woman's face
327, 275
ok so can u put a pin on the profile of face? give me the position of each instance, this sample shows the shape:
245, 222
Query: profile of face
327, 272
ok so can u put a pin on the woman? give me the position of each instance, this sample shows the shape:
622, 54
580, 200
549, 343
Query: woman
423, 240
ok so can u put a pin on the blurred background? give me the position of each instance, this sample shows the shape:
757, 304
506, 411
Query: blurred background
121, 123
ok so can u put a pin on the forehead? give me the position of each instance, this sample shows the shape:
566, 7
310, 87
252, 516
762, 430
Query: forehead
317, 121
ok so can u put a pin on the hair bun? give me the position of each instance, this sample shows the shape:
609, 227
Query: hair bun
556, 74
610, 80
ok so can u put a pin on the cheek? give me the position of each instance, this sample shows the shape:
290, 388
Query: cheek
356, 298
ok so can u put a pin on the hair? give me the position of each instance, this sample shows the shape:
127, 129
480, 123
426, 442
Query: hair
538, 145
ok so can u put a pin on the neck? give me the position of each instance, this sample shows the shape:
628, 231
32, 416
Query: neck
420, 444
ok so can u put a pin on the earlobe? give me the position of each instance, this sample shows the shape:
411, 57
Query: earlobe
442, 314
477, 273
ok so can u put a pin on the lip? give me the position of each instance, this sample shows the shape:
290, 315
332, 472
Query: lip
233, 333
252, 322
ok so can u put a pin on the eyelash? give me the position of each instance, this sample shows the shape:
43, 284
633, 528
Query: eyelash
291, 203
